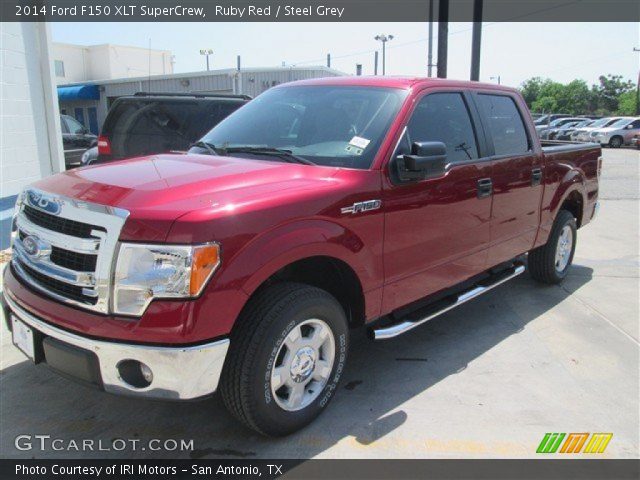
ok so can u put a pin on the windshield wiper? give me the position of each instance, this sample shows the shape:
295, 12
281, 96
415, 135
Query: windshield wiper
209, 147
286, 155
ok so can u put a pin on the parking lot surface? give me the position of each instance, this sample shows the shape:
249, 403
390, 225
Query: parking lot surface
487, 379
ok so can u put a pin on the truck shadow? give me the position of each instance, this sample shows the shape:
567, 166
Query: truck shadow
380, 378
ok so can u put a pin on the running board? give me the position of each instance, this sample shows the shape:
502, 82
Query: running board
396, 329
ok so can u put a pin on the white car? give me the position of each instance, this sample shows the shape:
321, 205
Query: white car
617, 134
582, 135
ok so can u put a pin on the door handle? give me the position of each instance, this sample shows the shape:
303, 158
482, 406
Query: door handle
536, 176
485, 187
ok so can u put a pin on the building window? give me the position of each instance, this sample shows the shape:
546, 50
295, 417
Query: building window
59, 66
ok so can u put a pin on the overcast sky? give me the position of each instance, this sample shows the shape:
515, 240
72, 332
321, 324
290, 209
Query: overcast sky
514, 51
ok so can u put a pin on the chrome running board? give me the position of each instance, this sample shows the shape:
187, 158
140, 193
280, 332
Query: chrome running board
396, 329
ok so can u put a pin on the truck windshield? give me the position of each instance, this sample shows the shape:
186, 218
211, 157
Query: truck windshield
340, 126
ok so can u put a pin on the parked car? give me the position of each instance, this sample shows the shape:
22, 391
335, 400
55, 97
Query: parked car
148, 123
321, 206
545, 119
542, 129
550, 133
617, 134
583, 134
564, 133
75, 140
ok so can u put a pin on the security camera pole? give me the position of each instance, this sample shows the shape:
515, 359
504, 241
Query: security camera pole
206, 52
384, 39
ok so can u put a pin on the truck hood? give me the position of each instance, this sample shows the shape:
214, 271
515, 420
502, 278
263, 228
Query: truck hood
156, 190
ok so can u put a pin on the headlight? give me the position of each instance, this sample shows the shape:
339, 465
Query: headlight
146, 272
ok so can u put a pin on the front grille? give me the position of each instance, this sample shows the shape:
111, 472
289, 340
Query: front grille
58, 255
61, 288
80, 262
59, 224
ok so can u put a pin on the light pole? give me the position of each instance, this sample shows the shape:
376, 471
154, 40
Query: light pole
206, 52
495, 78
637, 87
384, 39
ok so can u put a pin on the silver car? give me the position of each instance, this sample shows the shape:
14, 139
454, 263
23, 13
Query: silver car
582, 134
617, 134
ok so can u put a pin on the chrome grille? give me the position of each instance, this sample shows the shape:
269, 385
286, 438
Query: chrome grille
64, 247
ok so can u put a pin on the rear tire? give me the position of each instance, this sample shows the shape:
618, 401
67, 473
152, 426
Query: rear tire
286, 357
550, 263
615, 142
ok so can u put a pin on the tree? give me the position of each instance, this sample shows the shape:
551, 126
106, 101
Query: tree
627, 103
530, 90
545, 104
609, 91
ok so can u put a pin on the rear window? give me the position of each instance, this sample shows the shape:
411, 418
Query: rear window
506, 124
150, 125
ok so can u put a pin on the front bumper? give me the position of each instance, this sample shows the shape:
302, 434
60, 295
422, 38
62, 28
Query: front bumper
179, 373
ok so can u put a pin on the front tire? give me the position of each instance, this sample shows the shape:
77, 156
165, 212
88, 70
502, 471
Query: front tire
287, 354
615, 142
550, 263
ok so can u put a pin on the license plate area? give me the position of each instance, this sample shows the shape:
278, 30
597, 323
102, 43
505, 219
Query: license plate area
23, 337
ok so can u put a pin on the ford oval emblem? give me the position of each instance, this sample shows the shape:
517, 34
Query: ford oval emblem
31, 245
38, 200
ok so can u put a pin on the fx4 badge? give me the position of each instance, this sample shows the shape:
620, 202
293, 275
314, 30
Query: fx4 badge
362, 206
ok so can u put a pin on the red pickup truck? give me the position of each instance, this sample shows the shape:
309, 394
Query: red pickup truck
319, 207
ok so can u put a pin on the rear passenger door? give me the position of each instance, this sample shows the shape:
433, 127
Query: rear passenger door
437, 229
517, 173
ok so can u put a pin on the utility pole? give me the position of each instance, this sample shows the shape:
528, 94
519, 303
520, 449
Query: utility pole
384, 39
328, 60
430, 47
477, 40
443, 37
375, 63
206, 52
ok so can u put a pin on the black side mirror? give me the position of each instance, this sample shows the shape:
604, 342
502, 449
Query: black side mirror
427, 160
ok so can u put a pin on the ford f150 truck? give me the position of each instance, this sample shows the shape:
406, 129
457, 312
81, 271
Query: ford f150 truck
319, 207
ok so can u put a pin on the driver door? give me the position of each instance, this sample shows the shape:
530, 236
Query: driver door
437, 230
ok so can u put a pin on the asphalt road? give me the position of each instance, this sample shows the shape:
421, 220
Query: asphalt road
488, 379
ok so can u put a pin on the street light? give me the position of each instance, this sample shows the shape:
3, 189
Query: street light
206, 52
384, 39
495, 78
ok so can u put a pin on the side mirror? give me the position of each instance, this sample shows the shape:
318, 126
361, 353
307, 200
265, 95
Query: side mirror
629, 127
427, 160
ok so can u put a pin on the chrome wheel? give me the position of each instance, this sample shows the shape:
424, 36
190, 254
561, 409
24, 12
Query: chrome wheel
564, 248
303, 365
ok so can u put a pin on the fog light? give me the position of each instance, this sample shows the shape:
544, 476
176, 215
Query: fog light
135, 373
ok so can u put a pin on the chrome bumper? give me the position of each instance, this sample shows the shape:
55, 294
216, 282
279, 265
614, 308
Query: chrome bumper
179, 373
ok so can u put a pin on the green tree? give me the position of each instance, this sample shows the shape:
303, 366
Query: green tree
627, 103
609, 90
530, 90
545, 104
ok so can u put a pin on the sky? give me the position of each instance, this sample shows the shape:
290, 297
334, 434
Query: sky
513, 51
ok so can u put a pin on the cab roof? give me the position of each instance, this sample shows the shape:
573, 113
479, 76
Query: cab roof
405, 83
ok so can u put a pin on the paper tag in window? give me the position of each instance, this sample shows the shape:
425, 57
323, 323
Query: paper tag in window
353, 150
359, 142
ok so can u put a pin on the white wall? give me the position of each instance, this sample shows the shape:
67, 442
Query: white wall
31, 140
104, 62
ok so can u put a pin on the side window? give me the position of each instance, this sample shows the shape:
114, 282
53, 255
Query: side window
635, 124
506, 125
443, 117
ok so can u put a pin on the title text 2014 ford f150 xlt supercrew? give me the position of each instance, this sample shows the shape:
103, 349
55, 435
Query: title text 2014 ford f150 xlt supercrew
318, 207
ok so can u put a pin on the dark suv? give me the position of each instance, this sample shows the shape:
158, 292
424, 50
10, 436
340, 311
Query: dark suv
148, 123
